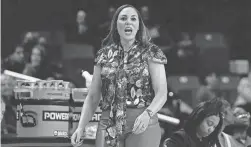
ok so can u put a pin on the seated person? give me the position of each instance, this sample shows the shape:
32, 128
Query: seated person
202, 127
244, 91
208, 88
37, 66
240, 129
225, 140
15, 61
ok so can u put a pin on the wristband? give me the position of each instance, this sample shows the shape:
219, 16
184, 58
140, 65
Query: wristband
150, 113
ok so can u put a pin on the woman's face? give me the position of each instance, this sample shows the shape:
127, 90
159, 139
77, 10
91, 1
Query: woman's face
128, 24
36, 57
18, 55
208, 125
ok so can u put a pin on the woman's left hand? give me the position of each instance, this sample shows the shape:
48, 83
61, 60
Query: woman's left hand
141, 123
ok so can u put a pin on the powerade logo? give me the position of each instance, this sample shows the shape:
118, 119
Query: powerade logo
60, 133
59, 116
64, 116
96, 117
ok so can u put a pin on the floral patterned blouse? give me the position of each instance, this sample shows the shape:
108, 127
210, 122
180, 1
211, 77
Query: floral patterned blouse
126, 82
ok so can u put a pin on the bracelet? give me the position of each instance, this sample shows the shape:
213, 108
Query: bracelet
150, 113
82, 129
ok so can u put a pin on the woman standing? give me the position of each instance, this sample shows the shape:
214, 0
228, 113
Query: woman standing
130, 75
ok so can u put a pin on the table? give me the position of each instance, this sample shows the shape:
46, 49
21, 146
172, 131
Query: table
11, 141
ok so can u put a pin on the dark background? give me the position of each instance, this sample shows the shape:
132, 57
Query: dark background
230, 17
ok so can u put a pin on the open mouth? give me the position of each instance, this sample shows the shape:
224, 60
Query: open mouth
128, 30
244, 117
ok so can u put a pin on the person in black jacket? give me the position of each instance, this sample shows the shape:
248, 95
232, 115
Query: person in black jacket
15, 61
202, 127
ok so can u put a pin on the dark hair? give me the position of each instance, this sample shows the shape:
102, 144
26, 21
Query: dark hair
17, 46
142, 36
42, 53
244, 107
202, 111
225, 103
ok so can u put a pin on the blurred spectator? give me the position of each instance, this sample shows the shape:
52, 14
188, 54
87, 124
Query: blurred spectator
79, 31
152, 28
81, 21
226, 140
183, 55
104, 28
144, 11
239, 130
30, 36
16, 61
30, 39
8, 123
244, 90
37, 66
42, 41
208, 88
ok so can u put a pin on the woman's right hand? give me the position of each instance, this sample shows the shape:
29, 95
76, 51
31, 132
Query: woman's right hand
77, 137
